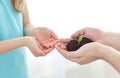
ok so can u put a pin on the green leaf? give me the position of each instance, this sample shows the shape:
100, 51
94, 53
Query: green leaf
79, 39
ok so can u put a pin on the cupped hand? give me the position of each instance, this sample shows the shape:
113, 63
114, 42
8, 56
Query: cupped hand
86, 54
45, 37
35, 47
107, 38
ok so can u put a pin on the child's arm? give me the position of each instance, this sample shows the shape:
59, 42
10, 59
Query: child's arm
26, 19
26, 22
30, 42
9, 45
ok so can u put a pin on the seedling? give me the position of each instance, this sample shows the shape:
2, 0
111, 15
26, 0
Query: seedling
77, 43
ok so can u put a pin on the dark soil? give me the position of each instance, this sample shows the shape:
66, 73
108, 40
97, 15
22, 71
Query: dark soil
74, 45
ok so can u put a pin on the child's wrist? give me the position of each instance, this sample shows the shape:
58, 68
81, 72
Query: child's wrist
27, 41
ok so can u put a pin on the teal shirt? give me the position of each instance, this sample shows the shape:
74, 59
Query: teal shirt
12, 64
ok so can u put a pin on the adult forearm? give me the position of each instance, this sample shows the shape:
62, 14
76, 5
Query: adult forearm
112, 56
12, 44
112, 39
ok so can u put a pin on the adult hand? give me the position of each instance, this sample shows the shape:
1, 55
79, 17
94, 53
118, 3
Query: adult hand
86, 54
107, 38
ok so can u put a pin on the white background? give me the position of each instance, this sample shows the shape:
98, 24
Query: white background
65, 17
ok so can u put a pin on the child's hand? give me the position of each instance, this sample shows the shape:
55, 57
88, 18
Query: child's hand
45, 37
35, 47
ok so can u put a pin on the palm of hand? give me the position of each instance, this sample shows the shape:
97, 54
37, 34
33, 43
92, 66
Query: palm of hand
86, 54
45, 36
46, 39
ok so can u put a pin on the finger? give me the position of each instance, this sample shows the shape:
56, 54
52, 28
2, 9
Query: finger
61, 45
67, 54
40, 51
62, 51
48, 50
49, 40
76, 54
54, 36
85, 60
66, 40
37, 52
80, 60
39, 44
78, 33
49, 44
37, 49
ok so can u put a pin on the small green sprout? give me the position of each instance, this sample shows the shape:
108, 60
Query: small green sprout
79, 39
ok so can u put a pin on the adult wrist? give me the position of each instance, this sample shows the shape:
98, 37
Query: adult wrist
107, 53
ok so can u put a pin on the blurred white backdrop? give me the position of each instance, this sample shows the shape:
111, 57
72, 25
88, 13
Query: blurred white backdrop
65, 17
